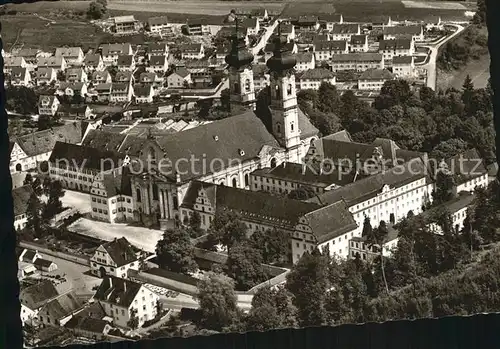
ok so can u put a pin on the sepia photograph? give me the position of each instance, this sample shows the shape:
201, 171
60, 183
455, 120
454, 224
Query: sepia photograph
185, 168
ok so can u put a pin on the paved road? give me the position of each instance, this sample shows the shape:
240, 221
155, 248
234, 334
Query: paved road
434, 49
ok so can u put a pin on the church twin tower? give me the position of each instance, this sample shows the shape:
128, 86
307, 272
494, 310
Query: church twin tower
283, 106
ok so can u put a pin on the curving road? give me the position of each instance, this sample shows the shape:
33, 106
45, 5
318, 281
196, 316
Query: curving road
434, 50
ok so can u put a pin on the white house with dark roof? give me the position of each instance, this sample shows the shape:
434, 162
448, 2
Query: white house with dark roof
45, 76
125, 63
30, 55
72, 55
101, 77
152, 79
20, 197
111, 52
251, 25
124, 77
102, 92
114, 258
345, 31
157, 64
121, 92
330, 20
56, 62
312, 78
192, 51
325, 50
71, 88
159, 25
119, 296
76, 75
157, 49
76, 166
179, 78
374, 79
13, 62
359, 61
125, 24
143, 94
93, 62
358, 43
33, 298
415, 32
48, 105
404, 67
305, 61
456, 207
396, 47
20, 77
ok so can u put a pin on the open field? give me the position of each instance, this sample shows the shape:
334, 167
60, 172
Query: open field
479, 71
442, 5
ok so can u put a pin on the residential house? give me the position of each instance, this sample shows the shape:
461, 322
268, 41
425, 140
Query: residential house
58, 310
325, 50
125, 25
71, 89
121, 298
111, 52
312, 78
20, 197
224, 35
287, 30
309, 225
287, 177
101, 77
56, 62
35, 297
45, 76
366, 251
114, 258
103, 92
269, 49
88, 327
29, 256
111, 198
201, 73
124, 77
360, 61
121, 92
74, 111
157, 64
13, 62
76, 166
305, 61
143, 94
45, 265
30, 55
28, 151
25, 270
152, 79
220, 54
358, 43
329, 20
72, 55
93, 62
126, 63
198, 27
374, 79
20, 77
260, 13
157, 49
159, 25
76, 75
179, 78
396, 47
251, 25
403, 67
192, 51
307, 23
345, 31
48, 105
261, 77
456, 208
416, 32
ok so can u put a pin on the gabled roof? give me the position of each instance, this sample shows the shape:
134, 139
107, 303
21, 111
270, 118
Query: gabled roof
345, 28
46, 73
115, 49
357, 57
29, 255
120, 292
108, 141
75, 71
75, 86
119, 87
28, 52
85, 157
104, 87
92, 59
463, 200
125, 60
19, 73
330, 17
102, 75
147, 77
251, 205
333, 45
158, 20
68, 51
395, 44
464, 166
42, 142
359, 39
39, 293
82, 323
157, 46
43, 263
304, 57
54, 61
14, 61
62, 306
307, 19
20, 197
181, 71
201, 142
376, 74
331, 221
120, 251
402, 60
157, 60
191, 48
316, 74
123, 76
403, 30
143, 91
118, 185
124, 19
285, 28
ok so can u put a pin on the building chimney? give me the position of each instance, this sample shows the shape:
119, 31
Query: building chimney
124, 286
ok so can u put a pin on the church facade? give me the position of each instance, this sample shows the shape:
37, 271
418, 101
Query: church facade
226, 151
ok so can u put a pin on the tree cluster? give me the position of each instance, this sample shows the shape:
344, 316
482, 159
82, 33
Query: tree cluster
97, 9
22, 100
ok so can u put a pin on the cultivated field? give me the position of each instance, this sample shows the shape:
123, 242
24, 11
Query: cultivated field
442, 5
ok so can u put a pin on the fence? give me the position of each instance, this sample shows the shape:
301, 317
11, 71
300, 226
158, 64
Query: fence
63, 255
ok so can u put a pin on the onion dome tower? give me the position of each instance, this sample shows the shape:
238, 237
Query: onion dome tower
239, 60
283, 105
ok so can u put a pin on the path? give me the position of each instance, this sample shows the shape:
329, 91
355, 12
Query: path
434, 50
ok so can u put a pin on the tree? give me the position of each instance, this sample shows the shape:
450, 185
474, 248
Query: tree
367, 231
133, 321
378, 237
96, 10
303, 192
195, 224
217, 302
54, 204
175, 251
328, 98
224, 99
33, 213
449, 148
273, 244
308, 282
444, 188
467, 93
37, 186
227, 229
244, 265
159, 308
28, 179
21, 100
393, 92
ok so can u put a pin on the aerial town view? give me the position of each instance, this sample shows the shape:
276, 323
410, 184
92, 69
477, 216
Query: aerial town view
198, 167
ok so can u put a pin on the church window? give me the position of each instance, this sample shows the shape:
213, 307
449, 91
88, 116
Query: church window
176, 203
278, 128
278, 92
291, 126
236, 87
235, 183
289, 90
247, 85
246, 180
138, 194
155, 192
